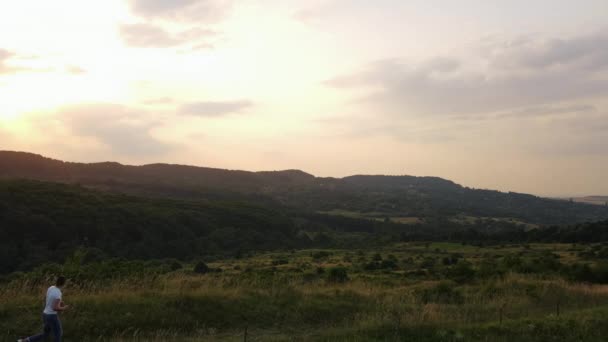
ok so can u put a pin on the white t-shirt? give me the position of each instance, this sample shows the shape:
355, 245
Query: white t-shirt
52, 294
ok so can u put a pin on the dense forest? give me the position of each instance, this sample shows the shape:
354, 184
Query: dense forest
49, 208
384, 196
45, 221
42, 222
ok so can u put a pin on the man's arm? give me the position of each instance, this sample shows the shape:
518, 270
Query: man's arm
58, 305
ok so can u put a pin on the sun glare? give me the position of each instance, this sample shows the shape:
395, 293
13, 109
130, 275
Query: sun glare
48, 91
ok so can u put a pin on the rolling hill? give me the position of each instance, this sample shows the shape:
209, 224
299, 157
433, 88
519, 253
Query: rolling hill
45, 221
597, 200
367, 195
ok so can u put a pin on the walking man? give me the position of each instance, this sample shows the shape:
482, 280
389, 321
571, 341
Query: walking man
50, 317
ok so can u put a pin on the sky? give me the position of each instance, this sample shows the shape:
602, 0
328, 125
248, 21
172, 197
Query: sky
494, 94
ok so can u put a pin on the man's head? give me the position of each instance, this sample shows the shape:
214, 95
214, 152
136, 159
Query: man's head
60, 281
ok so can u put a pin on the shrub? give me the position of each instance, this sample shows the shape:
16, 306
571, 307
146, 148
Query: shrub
280, 261
600, 272
201, 268
337, 275
511, 263
370, 266
580, 272
461, 272
489, 268
321, 255
445, 293
388, 264
451, 260
428, 263
309, 277
175, 265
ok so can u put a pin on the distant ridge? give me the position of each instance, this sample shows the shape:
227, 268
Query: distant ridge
377, 195
34, 166
27, 165
597, 200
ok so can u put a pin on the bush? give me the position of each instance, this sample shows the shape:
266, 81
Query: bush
309, 277
428, 263
280, 261
388, 264
337, 275
175, 265
461, 272
201, 268
371, 266
451, 260
600, 272
320, 255
445, 293
489, 268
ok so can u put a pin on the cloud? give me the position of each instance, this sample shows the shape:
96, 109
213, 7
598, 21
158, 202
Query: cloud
75, 70
549, 110
582, 52
159, 101
315, 12
189, 20
143, 35
124, 130
5, 56
558, 86
206, 11
8, 57
214, 108
573, 136
146, 35
366, 126
154, 7
506, 76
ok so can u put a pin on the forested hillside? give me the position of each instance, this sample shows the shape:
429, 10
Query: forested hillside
380, 196
41, 222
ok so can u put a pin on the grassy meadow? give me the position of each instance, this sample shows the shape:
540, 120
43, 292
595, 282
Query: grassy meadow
408, 292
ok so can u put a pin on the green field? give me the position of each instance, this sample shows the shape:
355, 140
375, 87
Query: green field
408, 291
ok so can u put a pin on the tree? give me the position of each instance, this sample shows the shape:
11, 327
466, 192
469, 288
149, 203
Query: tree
201, 268
337, 275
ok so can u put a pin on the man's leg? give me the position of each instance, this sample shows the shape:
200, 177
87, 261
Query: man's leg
44, 335
56, 329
